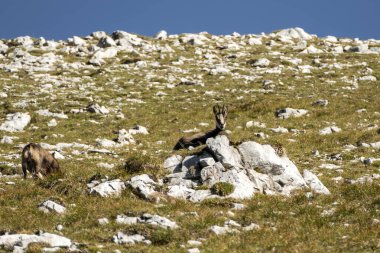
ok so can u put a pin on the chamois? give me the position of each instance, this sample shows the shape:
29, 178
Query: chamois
38, 161
200, 138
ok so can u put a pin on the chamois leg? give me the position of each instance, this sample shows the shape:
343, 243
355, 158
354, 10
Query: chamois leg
24, 168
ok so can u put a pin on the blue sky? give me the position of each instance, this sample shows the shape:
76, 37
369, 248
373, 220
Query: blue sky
60, 19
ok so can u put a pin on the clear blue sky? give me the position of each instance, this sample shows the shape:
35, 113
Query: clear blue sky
60, 19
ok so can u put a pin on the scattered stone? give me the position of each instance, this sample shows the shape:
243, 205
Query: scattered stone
255, 124
330, 130
290, 112
15, 122
59, 227
262, 62
105, 165
252, 226
314, 183
173, 163
21, 241
47, 113
51, 206
329, 166
108, 188
143, 186
225, 154
103, 221
222, 230
121, 238
95, 108
294, 33
364, 179
161, 35
321, 102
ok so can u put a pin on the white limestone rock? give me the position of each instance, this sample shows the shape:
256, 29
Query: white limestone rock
77, 41
279, 169
138, 130
47, 113
15, 122
173, 163
108, 188
294, 33
227, 155
121, 238
262, 62
106, 41
314, 183
21, 241
311, 50
161, 35
143, 186
51, 206
96, 108
157, 220
285, 113
330, 130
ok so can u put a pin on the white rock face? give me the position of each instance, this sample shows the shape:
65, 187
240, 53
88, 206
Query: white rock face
121, 238
77, 41
290, 112
101, 54
294, 33
96, 108
329, 130
22, 241
15, 122
218, 230
51, 206
109, 188
282, 175
255, 41
138, 130
143, 186
262, 62
172, 163
228, 156
106, 41
311, 50
161, 35
257, 169
314, 183
7, 139
147, 218
46, 112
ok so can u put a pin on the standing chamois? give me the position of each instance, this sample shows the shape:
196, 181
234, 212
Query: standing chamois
200, 138
38, 161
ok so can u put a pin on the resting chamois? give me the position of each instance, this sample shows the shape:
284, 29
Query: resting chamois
200, 138
38, 161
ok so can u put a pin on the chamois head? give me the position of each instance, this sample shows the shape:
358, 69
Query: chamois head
220, 116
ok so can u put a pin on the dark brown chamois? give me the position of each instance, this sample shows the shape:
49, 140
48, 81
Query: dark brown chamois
200, 138
38, 161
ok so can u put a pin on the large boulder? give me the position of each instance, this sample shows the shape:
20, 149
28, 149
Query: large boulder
13, 241
15, 122
227, 155
265, 159
108, 188
285, 113
294, 33
314, 183
143, 186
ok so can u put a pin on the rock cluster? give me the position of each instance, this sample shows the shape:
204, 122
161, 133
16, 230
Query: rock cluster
251, 167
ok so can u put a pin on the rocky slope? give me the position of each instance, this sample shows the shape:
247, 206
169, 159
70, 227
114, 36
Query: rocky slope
110, 107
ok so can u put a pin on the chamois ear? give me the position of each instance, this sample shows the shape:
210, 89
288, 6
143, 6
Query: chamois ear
215, 108
225, 110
